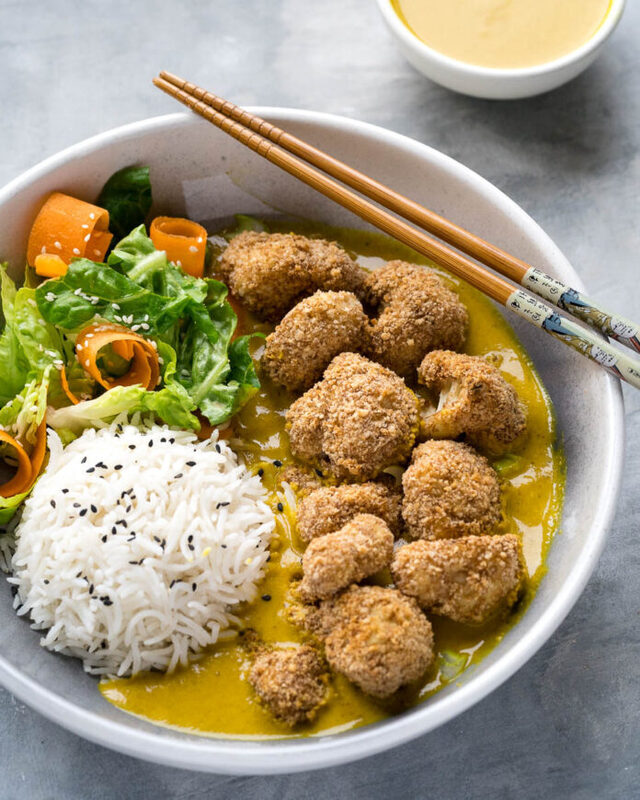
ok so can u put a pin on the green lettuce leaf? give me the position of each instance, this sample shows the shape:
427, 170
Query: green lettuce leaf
127, 198
14, 366
90, 289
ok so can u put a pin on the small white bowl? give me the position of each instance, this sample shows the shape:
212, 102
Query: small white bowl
492, 83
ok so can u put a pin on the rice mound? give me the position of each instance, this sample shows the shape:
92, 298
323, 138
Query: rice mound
136, 545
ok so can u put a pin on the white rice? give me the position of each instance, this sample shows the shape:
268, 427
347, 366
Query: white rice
140, 563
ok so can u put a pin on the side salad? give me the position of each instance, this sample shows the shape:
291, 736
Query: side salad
99, 328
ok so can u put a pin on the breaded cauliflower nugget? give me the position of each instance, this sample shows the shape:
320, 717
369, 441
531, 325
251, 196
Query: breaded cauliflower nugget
316, 330
270, 272
332, 562
474, 399
376, 637
303, 480
327, 509
449, 491
416, 313
469, 580
358, 420
291, 683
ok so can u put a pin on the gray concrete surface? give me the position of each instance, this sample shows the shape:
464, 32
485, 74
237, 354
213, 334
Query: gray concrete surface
568, 724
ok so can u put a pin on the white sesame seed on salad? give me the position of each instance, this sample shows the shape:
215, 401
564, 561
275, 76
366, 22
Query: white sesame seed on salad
87, 363
193, 248
87, 237
43, 249
58, 245
92, 215
76, 251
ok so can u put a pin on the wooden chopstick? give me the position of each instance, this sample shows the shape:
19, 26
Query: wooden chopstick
534, 311
531, 278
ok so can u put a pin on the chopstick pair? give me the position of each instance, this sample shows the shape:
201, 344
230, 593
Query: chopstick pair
287, 152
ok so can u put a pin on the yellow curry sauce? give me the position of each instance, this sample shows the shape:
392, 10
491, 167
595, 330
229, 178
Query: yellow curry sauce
212, 695
505, 34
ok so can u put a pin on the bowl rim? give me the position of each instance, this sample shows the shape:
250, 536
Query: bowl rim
412, 41
228, 756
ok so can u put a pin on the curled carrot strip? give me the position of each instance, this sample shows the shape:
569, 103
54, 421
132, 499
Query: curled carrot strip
65, 386
144, 368
21, 479
28, 466
68, 228
184, 241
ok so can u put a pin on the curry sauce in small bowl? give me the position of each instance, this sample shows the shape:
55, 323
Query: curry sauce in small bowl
501, 49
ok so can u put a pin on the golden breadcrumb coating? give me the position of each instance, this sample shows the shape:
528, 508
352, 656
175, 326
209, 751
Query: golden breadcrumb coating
358, 420
332, 562
474, 399
469, 580
310, 335
449, 491
376, 637
303, 480
270, 272
417, 313
328, 509
291, 683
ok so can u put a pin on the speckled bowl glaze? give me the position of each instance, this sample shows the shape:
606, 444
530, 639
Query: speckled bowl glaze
199, 172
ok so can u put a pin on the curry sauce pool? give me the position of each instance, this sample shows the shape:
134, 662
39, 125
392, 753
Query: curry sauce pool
212, 695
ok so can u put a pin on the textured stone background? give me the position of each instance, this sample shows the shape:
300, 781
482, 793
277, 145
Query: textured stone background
568, 724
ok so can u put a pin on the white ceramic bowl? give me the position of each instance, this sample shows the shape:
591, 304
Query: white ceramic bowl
492, 83
198, 171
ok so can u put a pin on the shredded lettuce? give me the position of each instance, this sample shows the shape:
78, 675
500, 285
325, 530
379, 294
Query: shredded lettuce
14, 366
127, 198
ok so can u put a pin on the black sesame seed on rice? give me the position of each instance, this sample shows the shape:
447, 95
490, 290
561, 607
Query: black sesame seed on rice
266, 597
260, 472
191, 463
53, 503
65, 491
94, 508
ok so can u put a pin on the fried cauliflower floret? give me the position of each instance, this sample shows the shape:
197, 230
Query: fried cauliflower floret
311, 334
302, 480
291, 683
358, 420
376, 637
332, 562
327, 509
270, 272
474, 399
469, 580
417, 313
449, 491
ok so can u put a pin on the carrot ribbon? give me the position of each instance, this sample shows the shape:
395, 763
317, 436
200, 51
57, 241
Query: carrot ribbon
144, 368
67, 228
184, 242
28, 466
